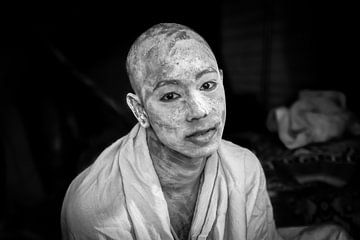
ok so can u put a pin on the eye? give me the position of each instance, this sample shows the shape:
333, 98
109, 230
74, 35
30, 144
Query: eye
169, 97
208, 86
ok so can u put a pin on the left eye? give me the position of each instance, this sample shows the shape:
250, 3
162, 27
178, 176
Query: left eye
208, 86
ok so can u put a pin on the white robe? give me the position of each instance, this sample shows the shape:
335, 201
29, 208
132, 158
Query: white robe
119, 197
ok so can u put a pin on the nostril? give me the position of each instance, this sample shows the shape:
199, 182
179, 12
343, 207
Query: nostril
190, 119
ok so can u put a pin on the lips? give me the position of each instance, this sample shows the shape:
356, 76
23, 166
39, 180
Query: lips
201, 132
203, 136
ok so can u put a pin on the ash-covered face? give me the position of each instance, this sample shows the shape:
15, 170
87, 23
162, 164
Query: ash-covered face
183, 97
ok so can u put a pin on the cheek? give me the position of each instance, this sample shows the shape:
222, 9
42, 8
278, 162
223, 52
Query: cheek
223, 116
217, 103
167, 125
165, 118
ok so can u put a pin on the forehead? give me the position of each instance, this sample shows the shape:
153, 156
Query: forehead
189, 50
167, 50
185, 58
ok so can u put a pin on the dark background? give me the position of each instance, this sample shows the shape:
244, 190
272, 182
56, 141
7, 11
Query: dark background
63, 82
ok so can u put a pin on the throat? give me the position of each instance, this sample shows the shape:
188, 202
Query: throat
176, 171
179, 178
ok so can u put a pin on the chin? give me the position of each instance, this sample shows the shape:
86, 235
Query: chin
204, 151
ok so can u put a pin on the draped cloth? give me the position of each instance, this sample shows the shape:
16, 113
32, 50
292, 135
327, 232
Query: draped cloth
119, 197
316, 116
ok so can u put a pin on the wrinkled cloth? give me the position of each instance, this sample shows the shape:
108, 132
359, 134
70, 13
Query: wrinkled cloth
318, 232
317, 116
120, 197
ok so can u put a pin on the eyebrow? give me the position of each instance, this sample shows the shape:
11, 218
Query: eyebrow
208, 70
165, 82
176, 82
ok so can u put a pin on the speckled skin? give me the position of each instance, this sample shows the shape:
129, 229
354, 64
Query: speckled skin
179, 92
151, 50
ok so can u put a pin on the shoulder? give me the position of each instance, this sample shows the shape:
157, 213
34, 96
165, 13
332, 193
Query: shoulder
95, 198
241, 163
239, 156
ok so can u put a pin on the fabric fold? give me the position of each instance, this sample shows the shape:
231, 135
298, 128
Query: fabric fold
144, 199
132, 205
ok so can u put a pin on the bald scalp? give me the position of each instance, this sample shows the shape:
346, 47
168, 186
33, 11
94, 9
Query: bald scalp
152, 49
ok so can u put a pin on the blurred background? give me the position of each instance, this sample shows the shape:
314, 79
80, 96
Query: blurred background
63, 84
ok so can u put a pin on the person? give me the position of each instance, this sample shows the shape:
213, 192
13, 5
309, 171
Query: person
172, 176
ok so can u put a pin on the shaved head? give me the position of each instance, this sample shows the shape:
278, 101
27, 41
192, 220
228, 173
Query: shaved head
156, 47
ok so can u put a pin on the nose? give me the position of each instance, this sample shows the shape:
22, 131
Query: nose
196, 108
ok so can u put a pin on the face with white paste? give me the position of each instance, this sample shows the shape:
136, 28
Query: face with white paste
183, 96
185, 100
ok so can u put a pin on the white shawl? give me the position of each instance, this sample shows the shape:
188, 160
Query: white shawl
119, 197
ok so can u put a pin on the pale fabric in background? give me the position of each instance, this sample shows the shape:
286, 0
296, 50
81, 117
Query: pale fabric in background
316, 116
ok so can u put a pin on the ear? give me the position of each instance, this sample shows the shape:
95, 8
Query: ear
138, 110
221, 74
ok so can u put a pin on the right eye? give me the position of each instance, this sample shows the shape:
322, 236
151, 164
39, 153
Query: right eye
169, 97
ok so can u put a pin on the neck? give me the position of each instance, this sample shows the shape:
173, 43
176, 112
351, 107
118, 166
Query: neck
176, 171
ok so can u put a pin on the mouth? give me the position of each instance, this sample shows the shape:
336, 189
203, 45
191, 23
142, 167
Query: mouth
203, 136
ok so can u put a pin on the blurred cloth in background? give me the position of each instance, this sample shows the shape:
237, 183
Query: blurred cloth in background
317, 116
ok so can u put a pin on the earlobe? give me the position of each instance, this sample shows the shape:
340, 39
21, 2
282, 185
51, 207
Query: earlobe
136, 107
221, 74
